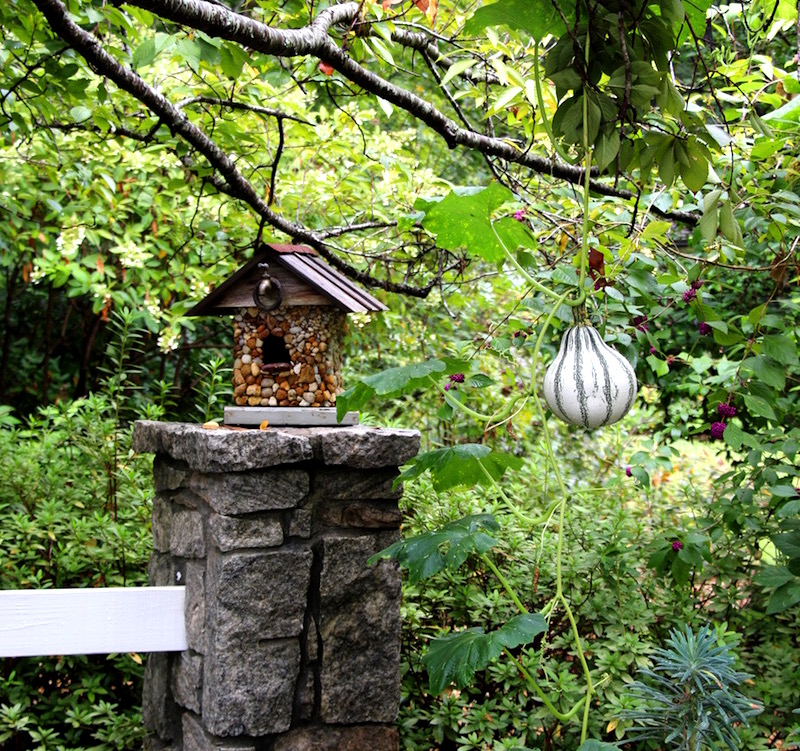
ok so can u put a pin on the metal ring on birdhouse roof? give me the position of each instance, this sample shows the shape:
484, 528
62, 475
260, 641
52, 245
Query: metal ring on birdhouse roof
267, 293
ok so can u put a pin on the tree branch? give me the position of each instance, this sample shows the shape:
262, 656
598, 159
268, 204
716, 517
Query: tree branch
315, 40
230, 180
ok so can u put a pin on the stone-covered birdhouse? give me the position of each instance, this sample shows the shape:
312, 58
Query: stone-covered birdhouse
289, 309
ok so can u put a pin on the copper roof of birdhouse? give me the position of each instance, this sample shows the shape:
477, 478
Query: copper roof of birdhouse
305, 278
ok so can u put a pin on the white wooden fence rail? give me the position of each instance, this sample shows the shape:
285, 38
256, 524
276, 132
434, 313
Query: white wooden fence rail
37, 622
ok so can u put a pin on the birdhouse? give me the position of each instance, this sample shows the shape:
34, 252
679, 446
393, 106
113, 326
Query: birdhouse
289, 309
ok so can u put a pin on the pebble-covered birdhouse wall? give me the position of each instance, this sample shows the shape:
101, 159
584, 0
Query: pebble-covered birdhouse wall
289, 311
289, 357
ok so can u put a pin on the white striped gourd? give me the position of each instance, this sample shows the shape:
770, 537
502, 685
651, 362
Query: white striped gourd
589, 383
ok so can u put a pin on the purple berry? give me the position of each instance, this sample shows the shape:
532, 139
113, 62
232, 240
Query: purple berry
726, 410
457, 378
689, 295
641, 323
677, 545
697, 283
717, 429
628, 471
703, 328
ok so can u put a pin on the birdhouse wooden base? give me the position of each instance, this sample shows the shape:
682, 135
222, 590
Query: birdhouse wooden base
284, 417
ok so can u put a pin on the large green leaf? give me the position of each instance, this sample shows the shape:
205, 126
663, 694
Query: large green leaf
463, 464
456, 657
426, 554
462, 220
396, 381
538, 17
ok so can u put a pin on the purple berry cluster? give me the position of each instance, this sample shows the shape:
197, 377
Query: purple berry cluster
691, 293
641, 323
725, 410
677, 545
703, 328
717, 429
454, 379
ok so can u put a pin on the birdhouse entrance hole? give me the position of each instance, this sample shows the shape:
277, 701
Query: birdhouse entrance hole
275, 355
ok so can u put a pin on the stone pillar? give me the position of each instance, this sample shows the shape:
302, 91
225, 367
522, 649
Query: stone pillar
294, 639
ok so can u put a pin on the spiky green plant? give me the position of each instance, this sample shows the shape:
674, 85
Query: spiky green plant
689, 699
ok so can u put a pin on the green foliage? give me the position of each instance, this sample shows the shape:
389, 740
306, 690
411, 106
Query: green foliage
463, 464
456, 657
74, 512
426, 554
689, 699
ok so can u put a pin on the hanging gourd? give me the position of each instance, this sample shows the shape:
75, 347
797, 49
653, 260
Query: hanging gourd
589, 383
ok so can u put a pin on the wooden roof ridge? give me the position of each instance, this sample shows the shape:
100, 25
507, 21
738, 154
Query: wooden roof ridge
304, 262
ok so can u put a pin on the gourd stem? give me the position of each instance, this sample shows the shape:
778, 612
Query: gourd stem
498, 416
540, 339
559, 595
535, 283
587, 169
521, 517
560, 716
489, 563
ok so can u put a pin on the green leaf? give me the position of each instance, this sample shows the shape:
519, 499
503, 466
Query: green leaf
781, 348
462, 220
757, 405
594, 745
426, 554
455, 658
522, 629
733, 436
457, 68
784, 598
696, 16
80, 113
694, 171
463, 464
783, 491
788, 543
775, 576
767, 370
144, 54
395, 381
538, 17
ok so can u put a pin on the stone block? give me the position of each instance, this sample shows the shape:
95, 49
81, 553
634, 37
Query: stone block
249, 689
160, 571
232, 533
340, 484
188, 538
367, 448
234, 493
299, 524
329, 738
197, 739
359, 625
254, 596
169, 475
361, 515
220, 450
187, 680
160, 715
195, 605
162, 523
